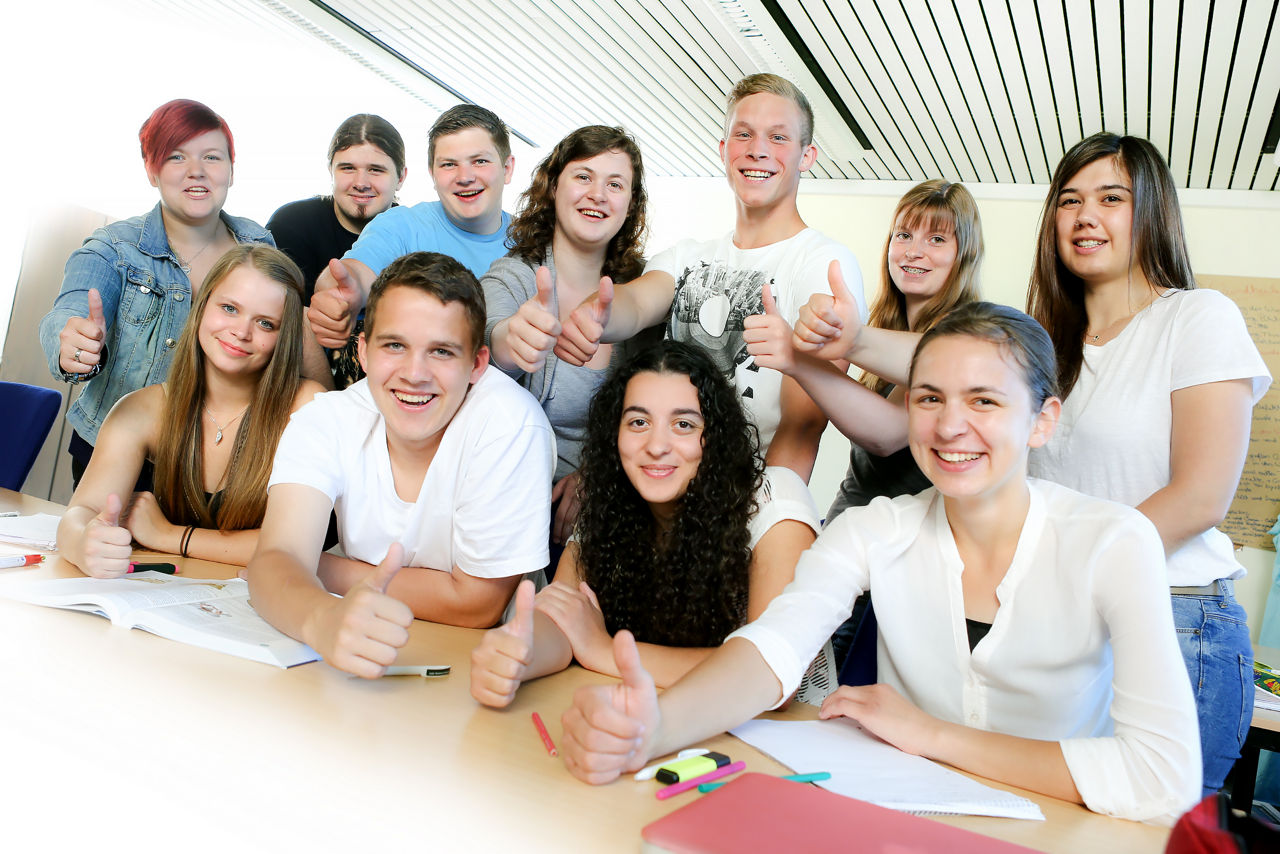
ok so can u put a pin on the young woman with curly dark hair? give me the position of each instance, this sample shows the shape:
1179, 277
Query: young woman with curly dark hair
683, 537
582, 218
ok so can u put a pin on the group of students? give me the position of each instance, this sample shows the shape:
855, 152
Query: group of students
517, 384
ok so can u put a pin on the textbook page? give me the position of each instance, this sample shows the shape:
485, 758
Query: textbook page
864, 767
39, 530
213, 614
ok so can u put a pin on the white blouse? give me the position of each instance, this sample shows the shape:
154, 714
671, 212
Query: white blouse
1082, 649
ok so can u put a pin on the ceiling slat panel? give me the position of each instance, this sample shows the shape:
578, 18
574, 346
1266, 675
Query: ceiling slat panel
1217, 70
1027, 27
1057, 52
1255, 170
1111, 69
980, 111
842, 59
1246, 72
923, 62
1018, 87
1164, 51
1137, 66
996, 88
1191, 44
1083, 61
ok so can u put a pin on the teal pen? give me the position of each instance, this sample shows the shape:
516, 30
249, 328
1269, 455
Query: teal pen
799, 778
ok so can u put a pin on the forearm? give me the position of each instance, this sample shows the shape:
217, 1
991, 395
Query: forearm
884, 352
452, 597
638, 305
863, 416
1024, 762
795, 442
287, 594
551, 651
732, 685
1182, 512
499, 348
235, 547
314, 364
669, 664
71, 531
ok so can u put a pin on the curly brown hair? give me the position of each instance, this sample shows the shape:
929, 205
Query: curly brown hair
533, 228
687, 586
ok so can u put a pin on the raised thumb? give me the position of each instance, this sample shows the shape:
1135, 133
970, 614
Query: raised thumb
836, 282
605, 296
342, 276
110, 514
385, 571
542, 278
96, 315
627, 658
521, 624
766, 296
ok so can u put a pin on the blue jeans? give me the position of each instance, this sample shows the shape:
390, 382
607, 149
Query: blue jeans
1214, 639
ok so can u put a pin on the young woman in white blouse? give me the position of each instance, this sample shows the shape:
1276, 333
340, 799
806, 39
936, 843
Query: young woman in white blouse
1025, 633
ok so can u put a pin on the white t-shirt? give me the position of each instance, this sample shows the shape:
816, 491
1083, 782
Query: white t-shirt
1082, 650
1114, 435
718, 287
782, 495
484, 506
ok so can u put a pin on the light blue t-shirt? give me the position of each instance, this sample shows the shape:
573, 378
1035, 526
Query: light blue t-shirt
425, 228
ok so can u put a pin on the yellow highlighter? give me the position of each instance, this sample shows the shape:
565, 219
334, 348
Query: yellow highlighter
695, 766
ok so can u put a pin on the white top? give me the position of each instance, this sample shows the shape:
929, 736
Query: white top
1086, 584
1113, 438
782, 495
718, 286
484, 506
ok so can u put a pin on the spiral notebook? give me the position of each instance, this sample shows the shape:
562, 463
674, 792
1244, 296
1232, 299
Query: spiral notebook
864, 767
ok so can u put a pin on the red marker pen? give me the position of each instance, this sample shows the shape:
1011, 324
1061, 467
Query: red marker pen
8, 561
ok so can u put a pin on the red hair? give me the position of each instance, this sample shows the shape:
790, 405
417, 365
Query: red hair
174, 123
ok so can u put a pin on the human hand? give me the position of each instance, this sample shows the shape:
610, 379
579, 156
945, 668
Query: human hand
610, 729
768, 337
566, 492
533, 329
828, 326
81, 338
149, 526
578, 614
333, 310
361, 632
499, 663
884, 713
107, 546
580, 337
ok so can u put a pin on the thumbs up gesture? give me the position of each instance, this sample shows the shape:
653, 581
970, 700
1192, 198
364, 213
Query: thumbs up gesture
333, 310
828, 326
533, 329
361, 632
81, 338
499, 663
610, 729
107, 545
580, 338
768, 337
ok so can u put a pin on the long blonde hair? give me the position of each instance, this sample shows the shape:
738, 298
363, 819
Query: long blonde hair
179, 477
935, 205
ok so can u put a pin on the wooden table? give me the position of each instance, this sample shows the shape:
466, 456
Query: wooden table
116, 737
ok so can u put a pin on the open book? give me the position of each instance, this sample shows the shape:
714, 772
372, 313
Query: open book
213, 614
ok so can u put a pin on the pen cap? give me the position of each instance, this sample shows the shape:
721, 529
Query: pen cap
694, 766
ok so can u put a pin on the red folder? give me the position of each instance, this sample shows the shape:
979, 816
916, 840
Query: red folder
760, 813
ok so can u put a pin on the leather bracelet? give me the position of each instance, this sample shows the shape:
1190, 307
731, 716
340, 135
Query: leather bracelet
186, 539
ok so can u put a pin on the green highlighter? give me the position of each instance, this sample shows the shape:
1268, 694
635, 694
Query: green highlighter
694, 766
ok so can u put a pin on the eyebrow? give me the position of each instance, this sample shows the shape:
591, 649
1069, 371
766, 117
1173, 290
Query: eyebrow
697, 413
974, 389
1124, 187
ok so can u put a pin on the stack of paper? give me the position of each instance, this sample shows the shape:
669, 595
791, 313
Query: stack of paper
39, 531
867, 768
1266, 681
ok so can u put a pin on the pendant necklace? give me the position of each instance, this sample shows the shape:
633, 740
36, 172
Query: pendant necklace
217, 437
186, 265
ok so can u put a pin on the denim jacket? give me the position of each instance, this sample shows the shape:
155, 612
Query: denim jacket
145, 299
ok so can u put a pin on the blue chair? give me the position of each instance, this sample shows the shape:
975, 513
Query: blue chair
859, 667
26, 414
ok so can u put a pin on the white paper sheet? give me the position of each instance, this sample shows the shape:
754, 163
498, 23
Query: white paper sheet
864, 767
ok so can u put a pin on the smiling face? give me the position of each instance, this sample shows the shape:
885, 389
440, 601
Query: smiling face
762, 151
241, 322
920, 257
469, 177
194, 178
971, 420
364, 184
1094, 223
660, 438
420, 361
592, 198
